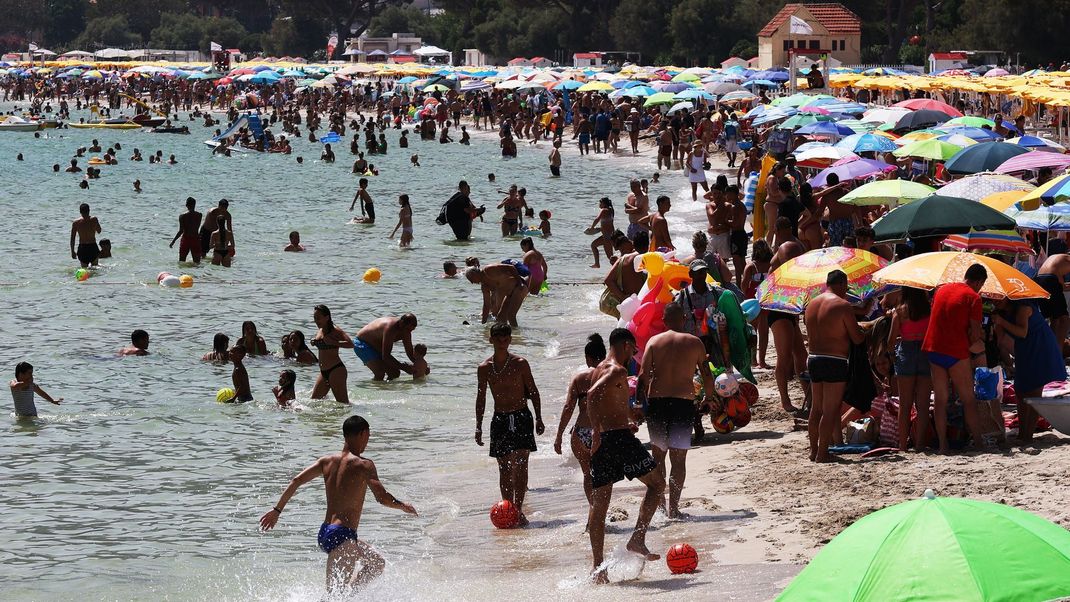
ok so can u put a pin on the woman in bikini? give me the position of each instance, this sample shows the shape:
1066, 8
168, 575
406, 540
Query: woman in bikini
329, 339
222, 244
301, 353
582, 433
604, 224
253, 343
404, 222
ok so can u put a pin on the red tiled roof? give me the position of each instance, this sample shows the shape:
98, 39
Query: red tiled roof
536, 59
833, 17
586, 55
949, 56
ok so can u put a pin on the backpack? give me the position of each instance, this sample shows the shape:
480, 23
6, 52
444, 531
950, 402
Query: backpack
730, 130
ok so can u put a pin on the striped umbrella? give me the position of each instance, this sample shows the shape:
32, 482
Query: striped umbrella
1006, 242
795, 283
1058, 189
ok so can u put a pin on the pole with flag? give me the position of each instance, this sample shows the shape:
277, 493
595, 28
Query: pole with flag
796, 25
332, 43
33, 49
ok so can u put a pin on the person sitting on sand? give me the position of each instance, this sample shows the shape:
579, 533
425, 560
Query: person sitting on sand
512, 429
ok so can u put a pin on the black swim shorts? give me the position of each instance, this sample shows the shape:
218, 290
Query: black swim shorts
827, 369
619, 455
510, 432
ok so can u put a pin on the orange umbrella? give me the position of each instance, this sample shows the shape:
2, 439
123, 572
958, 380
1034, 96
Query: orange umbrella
1002, 201
930, 270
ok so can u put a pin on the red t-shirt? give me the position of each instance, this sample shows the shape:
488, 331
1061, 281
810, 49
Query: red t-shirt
955, 305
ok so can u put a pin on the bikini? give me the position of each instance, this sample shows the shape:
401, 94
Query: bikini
584, 433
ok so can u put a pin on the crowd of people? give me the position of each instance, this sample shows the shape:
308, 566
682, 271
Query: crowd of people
915, 345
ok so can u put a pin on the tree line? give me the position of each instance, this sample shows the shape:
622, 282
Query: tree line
682, 32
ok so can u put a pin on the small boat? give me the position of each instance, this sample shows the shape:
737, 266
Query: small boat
150, 122
107, 125
234, 149
18, 124
1055, 409
170, 130
46, 124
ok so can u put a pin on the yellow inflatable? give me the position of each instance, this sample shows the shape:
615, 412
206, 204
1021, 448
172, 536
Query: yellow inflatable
675, 275
372, 275
97, 161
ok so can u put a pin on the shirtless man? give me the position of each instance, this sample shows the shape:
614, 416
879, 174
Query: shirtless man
210, 222
504, 290
718, 214
328, 340
787, 336
347, 476
840, 216
1052, 276
665, 144
623, 280
666, 380
375, 342
367, 207
240, 376
512, 211
555, 158
512, 431
659, 226
616, 452
637, 206
139, 344
295, 245
85, 230
188, 225
832, 328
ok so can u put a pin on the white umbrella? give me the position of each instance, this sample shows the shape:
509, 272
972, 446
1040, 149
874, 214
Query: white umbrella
884, 114
43, 52
358, 69
430, 51
111, 53
680, 106
77, 53
352, 51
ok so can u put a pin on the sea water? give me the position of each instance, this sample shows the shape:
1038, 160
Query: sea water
141, 486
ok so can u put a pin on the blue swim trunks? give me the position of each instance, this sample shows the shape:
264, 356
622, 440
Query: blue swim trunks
943, 360
332, 536
365, 352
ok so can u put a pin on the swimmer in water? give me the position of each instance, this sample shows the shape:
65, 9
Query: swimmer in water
449, 269
85, 230
219, 352
240, 377
23, 389
329, 339
188, 225
301, 353
139, 344
415, 160
367, 207
284, 392
347, 476
295, 243
404, 222
544, 223
420, 368
105, 249
137, 185
253, 343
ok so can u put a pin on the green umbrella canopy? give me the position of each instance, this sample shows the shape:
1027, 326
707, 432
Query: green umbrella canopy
939, 215
887, 192
940, 549
933, 149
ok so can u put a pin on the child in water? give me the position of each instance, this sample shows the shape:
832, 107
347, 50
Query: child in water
284, 393
420, 369
449, 269
240, 377
544, 225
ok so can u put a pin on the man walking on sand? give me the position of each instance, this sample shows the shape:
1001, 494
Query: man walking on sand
667, 381
512, 430
347, 476
831, 324
616, 452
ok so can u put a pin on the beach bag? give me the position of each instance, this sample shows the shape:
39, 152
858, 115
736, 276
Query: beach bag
441, 219
889, 425
985, 384
607, 303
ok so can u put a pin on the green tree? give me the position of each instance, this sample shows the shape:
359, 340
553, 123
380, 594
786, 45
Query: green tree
282, 40
107, 31
142, 16
701, 30
641, 26
397, 19
66, 19
345, 17
23, 18
223, 30
744, 49
178, 32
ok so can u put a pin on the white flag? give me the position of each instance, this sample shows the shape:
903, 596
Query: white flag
216, 47
800, 26
33, 47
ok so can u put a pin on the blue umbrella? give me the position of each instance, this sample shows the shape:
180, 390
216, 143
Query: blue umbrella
638, 91
774, 114
825, 128
1055, 217
761, 82
867, 143
693, 94
978, 134
984, 156
265, 77
773, 76
1031, 142
408, 79
568, 84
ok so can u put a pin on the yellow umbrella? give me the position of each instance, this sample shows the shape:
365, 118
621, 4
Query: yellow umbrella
595, 86
1010, 199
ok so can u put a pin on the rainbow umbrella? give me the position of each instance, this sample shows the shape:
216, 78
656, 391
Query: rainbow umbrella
1006, 242
937, 548
795, 283
929, 270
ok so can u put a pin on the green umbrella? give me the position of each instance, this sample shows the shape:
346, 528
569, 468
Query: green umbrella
970, 121
933, 149
938, 549
887, 192
938, 215
660, 98
797, 121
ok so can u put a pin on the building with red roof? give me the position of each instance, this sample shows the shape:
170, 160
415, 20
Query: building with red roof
827, 27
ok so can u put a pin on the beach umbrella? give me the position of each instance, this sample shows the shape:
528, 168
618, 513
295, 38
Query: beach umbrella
978, 186
637, 92
802, 119
680, 106
957, 139
821, 156
864, 143
773, 114
408, 79
797, 100
985, 156
795, 283
815, 110
857, 126
685, 76
851, 170
1037, 143
938, 215
1011, 199
887, 192
94, 74
721, 88
997, 72
1033, 161
1002, 242
938, 548
929, 270
761, 83
920, 119
694, 94
1055, 190
885, 114
971, 121
673, 87
825, 128
659, 98
571, 84
440, 88
596, 86
739, 96
1055, 217
264, 77
973, 133
931, 149
928, 104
